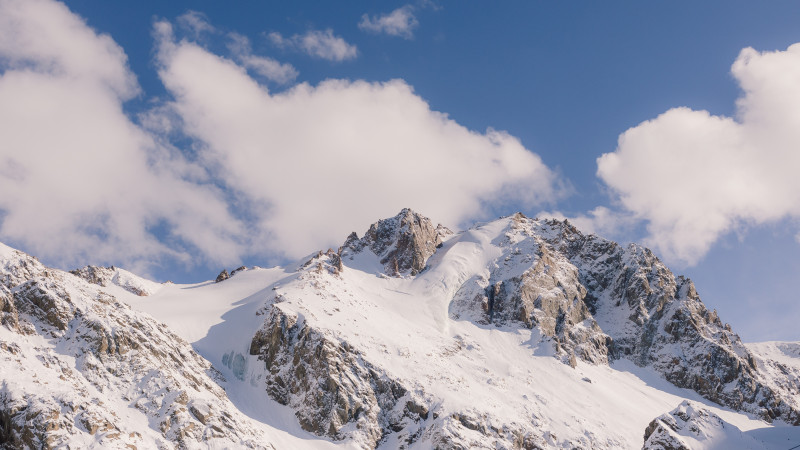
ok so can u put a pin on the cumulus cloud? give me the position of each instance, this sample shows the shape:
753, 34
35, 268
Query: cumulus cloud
400, 22
313, 163
79, 179
266, 67
694, 176
317, 43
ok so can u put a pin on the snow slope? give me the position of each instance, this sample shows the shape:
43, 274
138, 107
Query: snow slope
393, 342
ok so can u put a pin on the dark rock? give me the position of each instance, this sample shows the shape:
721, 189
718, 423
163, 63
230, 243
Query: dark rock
9, 316
222, 276
329, 383
101, 276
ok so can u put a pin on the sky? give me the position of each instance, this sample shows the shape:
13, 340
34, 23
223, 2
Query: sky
179, 138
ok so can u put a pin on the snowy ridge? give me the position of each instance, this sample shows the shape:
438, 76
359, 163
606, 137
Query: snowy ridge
517, 333
108, 276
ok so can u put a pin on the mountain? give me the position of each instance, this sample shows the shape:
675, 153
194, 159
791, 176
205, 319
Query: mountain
517, 333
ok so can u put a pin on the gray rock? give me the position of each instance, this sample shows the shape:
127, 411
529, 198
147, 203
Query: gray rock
657, 319
403, 243
330, 384
222, 276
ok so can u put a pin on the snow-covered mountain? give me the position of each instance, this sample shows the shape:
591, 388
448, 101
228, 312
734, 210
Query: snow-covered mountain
518, 334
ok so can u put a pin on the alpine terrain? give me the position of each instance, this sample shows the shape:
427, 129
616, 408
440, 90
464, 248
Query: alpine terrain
515, 334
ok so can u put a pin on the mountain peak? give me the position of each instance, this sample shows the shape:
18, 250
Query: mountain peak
403, 242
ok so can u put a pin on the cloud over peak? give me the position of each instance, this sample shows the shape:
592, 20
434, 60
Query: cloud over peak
313, 155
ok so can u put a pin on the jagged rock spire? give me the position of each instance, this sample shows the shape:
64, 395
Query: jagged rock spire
403, 242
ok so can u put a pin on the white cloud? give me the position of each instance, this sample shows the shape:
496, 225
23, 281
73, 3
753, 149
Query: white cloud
268, 68
81, 180
316, 162
694, 176
400, 22
319, 44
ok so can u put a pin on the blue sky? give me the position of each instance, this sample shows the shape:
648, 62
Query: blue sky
536, 91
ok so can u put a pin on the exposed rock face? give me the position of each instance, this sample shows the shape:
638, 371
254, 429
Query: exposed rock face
222, 276
80, 366
335, 392
403, 243
657, 319
9, 316
691, 426
537, 286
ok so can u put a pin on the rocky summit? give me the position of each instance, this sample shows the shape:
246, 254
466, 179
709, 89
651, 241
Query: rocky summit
518, 333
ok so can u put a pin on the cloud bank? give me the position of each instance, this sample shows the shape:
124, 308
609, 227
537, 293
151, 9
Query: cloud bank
694, 176
263, 174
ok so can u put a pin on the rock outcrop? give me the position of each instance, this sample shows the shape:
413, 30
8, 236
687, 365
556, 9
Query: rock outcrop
222, 276
333, 389
657, 319
403, 243
536, 286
